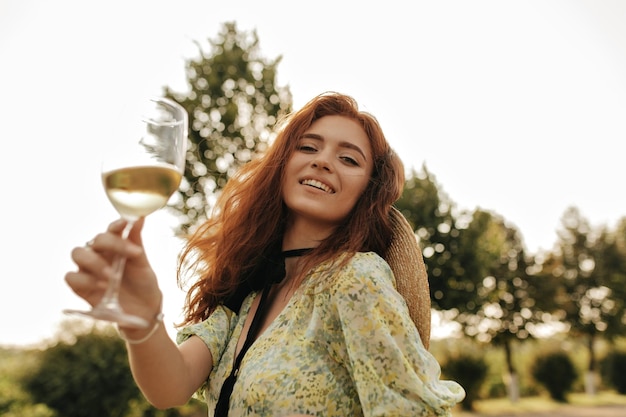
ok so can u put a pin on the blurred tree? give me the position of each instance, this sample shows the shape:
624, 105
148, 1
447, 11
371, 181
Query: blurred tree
620, 235
590, 268
233, 104
511, 301
616, 269
610, 266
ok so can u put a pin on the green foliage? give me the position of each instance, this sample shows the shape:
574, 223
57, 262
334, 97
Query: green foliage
591, 271
613, 370
14, 400
556, 372
470, 371
88, 378
589, 267
505, 296
233, 104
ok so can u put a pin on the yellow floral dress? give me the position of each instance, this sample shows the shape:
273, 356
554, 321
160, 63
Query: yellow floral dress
341, 348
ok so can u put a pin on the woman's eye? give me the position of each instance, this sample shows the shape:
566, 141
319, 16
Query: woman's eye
350, 160
306, 148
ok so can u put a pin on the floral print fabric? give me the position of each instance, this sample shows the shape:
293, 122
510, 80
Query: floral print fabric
344, 347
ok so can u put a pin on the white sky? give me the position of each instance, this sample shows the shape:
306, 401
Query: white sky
515, 106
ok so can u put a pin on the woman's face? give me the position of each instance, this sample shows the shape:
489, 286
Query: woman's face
328, 171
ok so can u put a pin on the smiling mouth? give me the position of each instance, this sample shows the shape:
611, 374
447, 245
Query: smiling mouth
319, 185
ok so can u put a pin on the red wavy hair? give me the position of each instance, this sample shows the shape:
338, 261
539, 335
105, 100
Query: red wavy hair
249, 216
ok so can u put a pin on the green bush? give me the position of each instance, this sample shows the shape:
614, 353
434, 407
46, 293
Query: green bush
470, 371
556, 372
89, 377
14, 400
613, 370
90, 365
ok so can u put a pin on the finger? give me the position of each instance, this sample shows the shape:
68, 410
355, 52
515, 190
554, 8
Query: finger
117, 226
86, 286
111, 243
83, 282
135, 232
133, 243
92, 262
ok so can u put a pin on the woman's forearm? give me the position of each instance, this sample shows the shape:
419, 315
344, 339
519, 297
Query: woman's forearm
168, 374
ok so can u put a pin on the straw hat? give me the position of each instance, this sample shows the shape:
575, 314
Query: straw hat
405, 259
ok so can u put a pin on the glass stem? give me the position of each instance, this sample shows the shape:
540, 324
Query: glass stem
110, 300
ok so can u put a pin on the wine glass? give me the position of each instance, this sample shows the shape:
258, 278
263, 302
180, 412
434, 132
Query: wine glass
139, 175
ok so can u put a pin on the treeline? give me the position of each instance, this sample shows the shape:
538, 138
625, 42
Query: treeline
482, 279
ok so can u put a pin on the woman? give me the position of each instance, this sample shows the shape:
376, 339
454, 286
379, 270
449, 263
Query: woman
290, 270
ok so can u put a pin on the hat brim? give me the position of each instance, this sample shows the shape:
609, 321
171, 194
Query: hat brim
404, 256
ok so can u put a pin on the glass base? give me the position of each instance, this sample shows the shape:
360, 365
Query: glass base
112, 315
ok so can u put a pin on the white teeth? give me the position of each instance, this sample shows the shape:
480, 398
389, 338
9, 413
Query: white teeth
317, 184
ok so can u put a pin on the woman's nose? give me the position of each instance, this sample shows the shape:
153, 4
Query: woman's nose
321, 162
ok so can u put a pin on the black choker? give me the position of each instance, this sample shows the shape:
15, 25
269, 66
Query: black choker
295, 252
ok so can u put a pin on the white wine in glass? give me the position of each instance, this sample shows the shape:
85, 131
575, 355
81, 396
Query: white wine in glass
139, 177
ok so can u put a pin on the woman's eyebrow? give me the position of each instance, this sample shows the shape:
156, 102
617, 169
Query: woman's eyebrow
342, 144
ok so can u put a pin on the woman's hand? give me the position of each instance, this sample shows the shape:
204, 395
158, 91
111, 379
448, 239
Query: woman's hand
139, 291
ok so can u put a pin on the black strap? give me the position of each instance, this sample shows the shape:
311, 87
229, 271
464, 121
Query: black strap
221, 409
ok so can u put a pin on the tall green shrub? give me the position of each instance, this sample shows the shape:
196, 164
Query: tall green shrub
613, 370
556, 372
470, 371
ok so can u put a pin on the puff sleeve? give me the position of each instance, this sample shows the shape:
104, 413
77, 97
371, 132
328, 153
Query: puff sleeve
394, 374
215, 332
